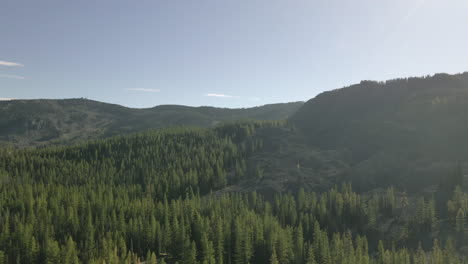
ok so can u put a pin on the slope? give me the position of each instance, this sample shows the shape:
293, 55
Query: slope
407, 132
162, 194
39, 122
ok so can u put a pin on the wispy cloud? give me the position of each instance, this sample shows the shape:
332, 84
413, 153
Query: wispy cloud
12, 76
5, 99
255, 98
220, 95
144, 90
10, 64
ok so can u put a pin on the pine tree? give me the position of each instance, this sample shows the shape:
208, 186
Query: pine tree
69, 252
207, 251
189, 255
52, 250
274, 257
88, 234
450, 253
310, 256
219, 245
460, 221
299, 245
437, 256
151, 258
420, 256
381, 253
34, 250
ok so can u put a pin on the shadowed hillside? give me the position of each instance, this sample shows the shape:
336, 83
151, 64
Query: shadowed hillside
405, 131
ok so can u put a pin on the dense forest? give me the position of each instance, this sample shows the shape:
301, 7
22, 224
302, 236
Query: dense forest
372, 173
405, 132
162, 197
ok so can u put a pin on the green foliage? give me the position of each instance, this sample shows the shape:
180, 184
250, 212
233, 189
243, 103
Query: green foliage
39, 122
160, 197
405, 132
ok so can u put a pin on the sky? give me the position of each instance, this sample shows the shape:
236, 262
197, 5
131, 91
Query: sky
225, 53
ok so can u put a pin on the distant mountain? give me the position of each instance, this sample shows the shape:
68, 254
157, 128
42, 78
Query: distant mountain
410, 133
37, 122
407, 132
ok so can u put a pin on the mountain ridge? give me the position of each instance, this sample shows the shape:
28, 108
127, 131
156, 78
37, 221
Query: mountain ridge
43, 121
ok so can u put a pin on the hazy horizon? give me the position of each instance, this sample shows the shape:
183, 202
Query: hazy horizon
250, 106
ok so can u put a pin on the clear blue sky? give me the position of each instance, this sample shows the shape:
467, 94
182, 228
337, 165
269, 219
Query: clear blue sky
231, 53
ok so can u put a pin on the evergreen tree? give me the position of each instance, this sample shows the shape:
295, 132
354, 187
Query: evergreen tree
299, 245
274, 257
207, 251
69, 252
420, 256
460, 221
151, 258
437, 256
310, 256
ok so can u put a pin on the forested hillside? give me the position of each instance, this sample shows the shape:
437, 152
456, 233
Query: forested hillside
164, 197
39, 122
372, 173
407, 132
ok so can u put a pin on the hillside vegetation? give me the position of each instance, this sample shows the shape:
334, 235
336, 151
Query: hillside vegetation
39, 122
368, 174
407, 132
163, 197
